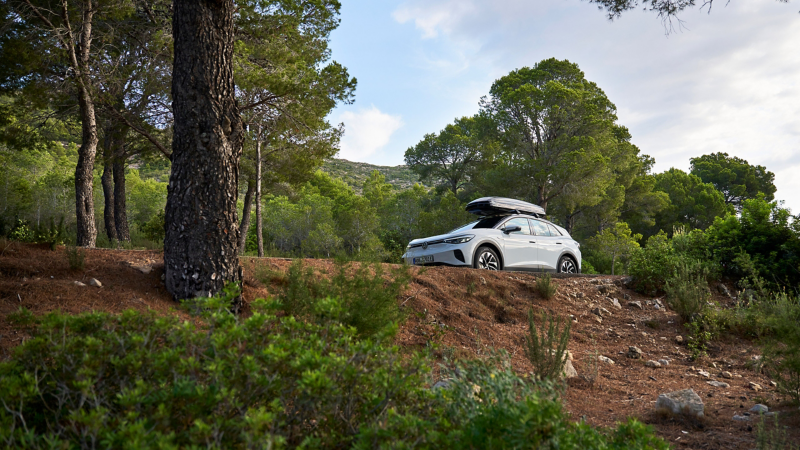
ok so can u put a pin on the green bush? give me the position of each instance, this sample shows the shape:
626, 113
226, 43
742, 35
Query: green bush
783, 343
137, 380
652, 265
587, 267
687, 290
369, 300
545, 286
75, 257
154, 228
547, 349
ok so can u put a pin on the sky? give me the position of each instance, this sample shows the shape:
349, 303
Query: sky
728, 81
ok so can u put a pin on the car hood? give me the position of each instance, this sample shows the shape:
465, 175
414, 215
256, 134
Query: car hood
440, 237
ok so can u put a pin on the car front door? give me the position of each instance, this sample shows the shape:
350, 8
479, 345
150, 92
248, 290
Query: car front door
518, 251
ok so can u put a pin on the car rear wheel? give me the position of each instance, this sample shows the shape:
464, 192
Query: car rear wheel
486, 258
567, 265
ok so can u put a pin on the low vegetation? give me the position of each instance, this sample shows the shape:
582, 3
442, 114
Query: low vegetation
546, 346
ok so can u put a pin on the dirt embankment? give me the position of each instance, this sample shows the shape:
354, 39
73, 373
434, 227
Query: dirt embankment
466, 312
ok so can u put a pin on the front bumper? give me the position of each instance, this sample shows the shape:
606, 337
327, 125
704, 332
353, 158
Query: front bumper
449, 255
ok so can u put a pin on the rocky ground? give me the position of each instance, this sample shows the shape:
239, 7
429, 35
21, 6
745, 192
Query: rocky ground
627, 349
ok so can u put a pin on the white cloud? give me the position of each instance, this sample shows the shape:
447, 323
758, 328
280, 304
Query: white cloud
366, 132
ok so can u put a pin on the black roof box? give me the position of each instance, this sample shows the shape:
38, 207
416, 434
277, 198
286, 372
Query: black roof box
492, 206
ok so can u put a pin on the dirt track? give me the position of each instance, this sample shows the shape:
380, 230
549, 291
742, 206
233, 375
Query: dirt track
466, 312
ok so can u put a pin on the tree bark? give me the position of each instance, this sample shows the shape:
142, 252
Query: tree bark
248, 205
120, 200
107, 180
84, 174
259, 223
202, 233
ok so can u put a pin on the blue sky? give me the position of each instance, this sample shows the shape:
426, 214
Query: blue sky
728, 81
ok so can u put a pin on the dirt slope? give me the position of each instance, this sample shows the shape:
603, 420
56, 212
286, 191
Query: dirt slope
466, 312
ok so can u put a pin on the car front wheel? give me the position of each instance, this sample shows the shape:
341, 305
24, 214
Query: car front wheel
567, 265
486, 258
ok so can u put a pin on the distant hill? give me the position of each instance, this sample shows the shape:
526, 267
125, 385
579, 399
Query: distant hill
354, 173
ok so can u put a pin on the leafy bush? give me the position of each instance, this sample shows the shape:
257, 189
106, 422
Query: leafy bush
369, 300
587, 267
153, 229
545, 286
687, 290
138, 380
75, 257
783, 343
616, 242
652, 265
547, 350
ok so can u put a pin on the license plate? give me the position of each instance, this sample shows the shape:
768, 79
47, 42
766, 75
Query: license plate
422, 260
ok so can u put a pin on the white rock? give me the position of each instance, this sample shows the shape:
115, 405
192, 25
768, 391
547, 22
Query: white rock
663, 362
145, 269
569, 370
685, 402
636, 304
605, 359
741, 418
719, 384
95, 282
79, 284
653, 364
727, 375
615, 303
759, 409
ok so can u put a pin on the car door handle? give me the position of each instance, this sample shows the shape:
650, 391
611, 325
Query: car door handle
531, 242
558, 243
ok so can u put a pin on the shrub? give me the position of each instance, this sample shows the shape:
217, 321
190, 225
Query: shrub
75, 257
370, 301
616, 242
545, 286
138, 380
547, 350
783, 343
687, 290
587, 267
652, 265
772, 438
153, 229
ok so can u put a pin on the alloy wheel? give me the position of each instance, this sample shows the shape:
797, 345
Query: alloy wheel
488, 261
567, 266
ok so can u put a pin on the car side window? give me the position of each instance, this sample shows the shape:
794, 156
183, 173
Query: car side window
553, 230
522, 223
540, 228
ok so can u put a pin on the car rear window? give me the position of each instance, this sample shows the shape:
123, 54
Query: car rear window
540, 228
553, 230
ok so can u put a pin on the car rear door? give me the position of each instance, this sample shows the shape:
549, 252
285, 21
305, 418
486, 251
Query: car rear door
550, 244
518, 251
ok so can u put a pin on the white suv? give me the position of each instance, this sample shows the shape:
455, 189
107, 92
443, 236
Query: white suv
501, 241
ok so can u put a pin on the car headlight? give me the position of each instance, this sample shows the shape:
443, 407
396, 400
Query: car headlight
459, 239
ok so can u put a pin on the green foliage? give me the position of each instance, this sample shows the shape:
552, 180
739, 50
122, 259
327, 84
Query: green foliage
547, 349
154, 228
772, 437
617, 242
545, 287
147, 198
587, 267
139, 380
687, 290
783, 343
22, 318
768, 234
734, 177
652, 265
369, 295
75, 257
704, 328
693, 204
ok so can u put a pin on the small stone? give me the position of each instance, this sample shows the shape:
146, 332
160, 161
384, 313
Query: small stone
759, 409
636, 304
634, 352
727, 375
627, 280
79, 284
773, 384
719, 384
579, 295
145, 269
615, 303
483, 281
605, 359
597, 319
653, 364
626, 297
442, 384
603, 289
704, 374
663, 362
95, 282
679, 339
685, 402
740, 418
755, 386
569, 370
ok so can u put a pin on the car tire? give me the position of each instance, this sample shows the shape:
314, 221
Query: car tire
566, 264
486, 258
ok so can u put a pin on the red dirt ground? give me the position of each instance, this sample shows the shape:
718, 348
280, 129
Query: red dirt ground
466, 312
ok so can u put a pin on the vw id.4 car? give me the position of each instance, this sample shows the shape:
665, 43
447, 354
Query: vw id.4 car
509, 235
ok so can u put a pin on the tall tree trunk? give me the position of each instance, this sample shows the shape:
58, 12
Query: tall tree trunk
84, 173
120, 200
202, 234
259, 223
107, 181
248, 205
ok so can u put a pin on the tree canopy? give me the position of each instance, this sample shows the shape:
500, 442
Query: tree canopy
734, 177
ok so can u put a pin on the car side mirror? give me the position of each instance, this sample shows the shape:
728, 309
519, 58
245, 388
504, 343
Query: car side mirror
511, 229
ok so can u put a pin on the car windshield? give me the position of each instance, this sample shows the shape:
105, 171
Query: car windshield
486, 222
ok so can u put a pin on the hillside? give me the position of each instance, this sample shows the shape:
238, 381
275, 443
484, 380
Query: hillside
354, 173
465, 313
